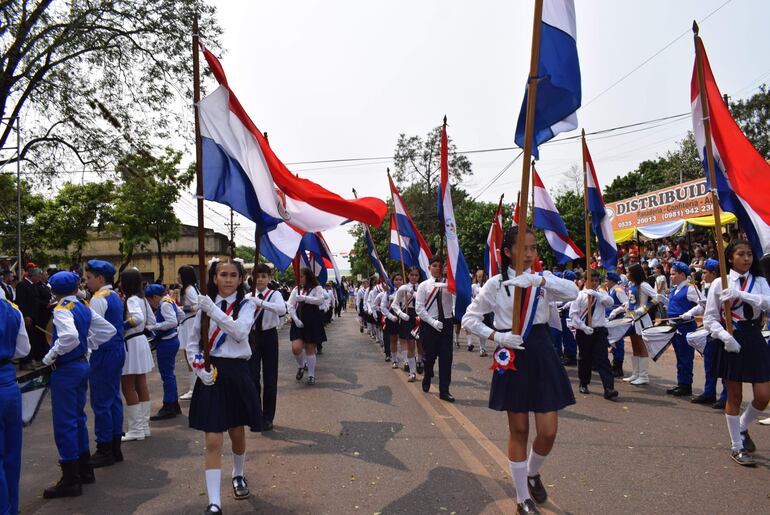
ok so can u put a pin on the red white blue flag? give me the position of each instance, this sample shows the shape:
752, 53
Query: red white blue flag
547, 218
494, 243
600, 219
413, 247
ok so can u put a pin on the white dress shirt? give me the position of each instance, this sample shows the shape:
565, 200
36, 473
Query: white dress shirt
139, 315
387, 302
578, 309
493, 298
22, 339
268, 311
405, 299
235, 344
759, 299
426, 306
371, 297
67, 337
314, 296
190, 301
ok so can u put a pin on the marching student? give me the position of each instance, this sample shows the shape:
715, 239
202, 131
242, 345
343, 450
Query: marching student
375, 288
168, 343
619, 299
188, 300
263, 364
359, 300
307, 326
569, 345
138, 319
434, 307
387, 307
404, 307
14, 344
106, 366
479, 278
224, 397
528, 376
744, 356
382, 318
641, 299
76, 328
683, 303
592, 340
709, 395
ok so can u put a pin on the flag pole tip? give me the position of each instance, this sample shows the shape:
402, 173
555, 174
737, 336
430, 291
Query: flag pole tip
695, 27
444, 119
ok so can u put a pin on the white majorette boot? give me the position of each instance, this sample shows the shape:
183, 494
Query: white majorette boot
146, 408
644, 376
634, 370
135, 431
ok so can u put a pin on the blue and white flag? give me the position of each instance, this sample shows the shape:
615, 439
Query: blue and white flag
600, 220
547, 218
372, 251
413, 247
558, 87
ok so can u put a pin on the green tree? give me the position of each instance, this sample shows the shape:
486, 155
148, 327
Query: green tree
360, 262
753, 116
244, 252
66, 221
31, 204
144, 207
97, 78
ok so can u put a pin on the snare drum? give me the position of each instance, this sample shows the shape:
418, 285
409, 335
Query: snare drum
617, 329
697, 340
766, 335
657, 339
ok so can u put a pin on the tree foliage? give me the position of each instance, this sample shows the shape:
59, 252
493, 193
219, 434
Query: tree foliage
97, 79
31, 204
753, 117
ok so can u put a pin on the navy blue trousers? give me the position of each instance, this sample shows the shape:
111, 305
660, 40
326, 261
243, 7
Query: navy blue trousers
104, 380
166, 354
10, 442
69, 383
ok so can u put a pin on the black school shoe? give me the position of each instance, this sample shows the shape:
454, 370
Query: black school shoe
743, 458
527, 507
583, 389
719, 404
212, 509
704, 399
69, 485
536, 489
300, 374
748, 443
240, 488
610, 394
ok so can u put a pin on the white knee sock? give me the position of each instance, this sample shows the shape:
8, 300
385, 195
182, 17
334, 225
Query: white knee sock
193, 378
482, 343
534, 463
412, 365
468, 340
749, 415
238, 461
311, 365
300, 359
213, 483
734, 428
519, 477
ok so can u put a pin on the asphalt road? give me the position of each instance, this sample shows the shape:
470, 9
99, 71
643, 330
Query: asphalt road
364, 441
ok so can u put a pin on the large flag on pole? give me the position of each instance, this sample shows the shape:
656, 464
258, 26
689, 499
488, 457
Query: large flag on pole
558, 87
458, 276
547, 218
492, 248
600, 220
280, 245
742, 175
372, 251
328, 257
241, 171
415, 251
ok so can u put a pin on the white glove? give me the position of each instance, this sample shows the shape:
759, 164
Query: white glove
50, 357
729, 294
509, 340
639, 312
205, 303
297, 321
301, 298
586, 329
616, 312
392, 317
259, 302
403, 316
207, 378
686, 317
731, 344
593, 293
525, 281
439, 285
438, 325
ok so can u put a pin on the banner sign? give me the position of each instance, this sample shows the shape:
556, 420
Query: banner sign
686, 200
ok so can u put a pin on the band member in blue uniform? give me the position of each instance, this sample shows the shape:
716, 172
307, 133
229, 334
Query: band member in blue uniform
744, 356
106, 366
709, 395
683, 303
619, 299
14, 344
528, 377
75, 329
167, 341
263, 363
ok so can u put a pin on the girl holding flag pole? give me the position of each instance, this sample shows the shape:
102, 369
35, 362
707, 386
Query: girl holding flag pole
528, 376
404, 307
307, 324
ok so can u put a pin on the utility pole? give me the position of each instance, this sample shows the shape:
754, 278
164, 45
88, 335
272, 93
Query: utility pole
232, 226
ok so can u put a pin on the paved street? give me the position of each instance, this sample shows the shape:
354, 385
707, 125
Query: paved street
364, 441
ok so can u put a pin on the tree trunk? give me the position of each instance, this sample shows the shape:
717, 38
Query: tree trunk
124, 264
159, 279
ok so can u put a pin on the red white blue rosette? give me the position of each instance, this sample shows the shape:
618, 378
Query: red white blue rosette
198, 361
503, 359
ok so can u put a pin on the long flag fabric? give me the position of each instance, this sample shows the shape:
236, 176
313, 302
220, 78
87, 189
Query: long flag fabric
458, 276
328, 258
416, 252
241, 171
600, 220
280, 245
314, 254
742, 175
372, 251
494, 243
558, 88
547, 218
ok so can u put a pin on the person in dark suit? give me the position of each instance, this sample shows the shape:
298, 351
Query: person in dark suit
33, 307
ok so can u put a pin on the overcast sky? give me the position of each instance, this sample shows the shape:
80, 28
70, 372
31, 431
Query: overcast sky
342, 79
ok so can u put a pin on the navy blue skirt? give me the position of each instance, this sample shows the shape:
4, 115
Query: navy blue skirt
232, 401
391, 327
539, 384
405, 327
752, 363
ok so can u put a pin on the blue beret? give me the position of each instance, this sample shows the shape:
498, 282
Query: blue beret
558, 274
681, 267
712, 265
100, 267
154, 289
63, 283
613, 276
570, 275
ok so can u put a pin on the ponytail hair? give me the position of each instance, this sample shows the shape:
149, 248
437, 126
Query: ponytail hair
213, 291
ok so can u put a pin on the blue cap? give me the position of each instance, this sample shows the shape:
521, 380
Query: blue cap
154, 289
97, 266
64, 283
570, 275
613, 276
680, 267
712, 265
558, 274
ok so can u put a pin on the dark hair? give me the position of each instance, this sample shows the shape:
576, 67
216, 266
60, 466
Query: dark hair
397, 274
131, 285
636, 274
435, 259
213, 291
755, 268
187, 274
509, 240
261, 268
413, 269
595, 274
311, 281
108, 278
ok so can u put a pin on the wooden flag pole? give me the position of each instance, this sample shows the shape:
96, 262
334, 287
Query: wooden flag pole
529, 129
712, 172
589, 300
398, 230
202, 275
257, 243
